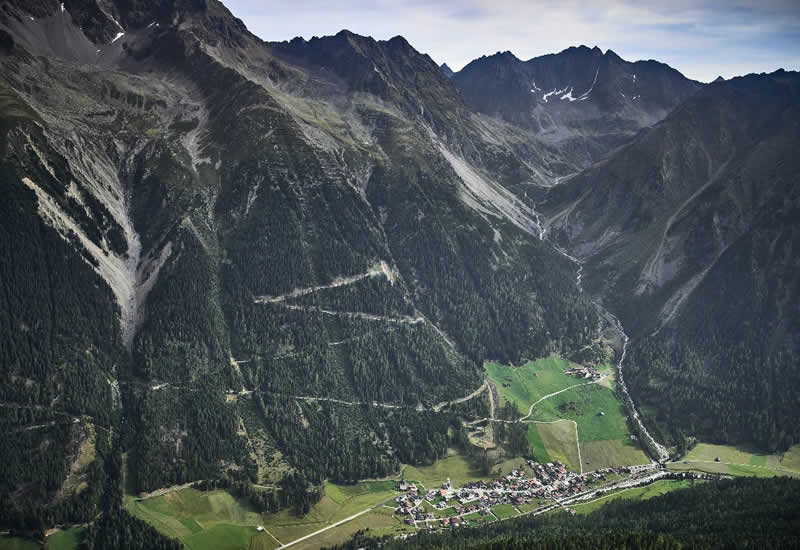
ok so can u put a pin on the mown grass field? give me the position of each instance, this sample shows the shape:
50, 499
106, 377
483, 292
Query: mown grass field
338, 502
68, 539
536, 444
604, 438
503, 511
728, 469
638, 493
65, 540
527, 384
741, 455
558, 441
458, 469
200, 519
16, 543
378, 524
791, 459
597, 455
216, 520
534, 505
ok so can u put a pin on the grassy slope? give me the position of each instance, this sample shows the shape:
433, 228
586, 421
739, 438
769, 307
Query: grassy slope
789, 460
65, 540
638, 493
559, 440
16, 543
199, 519
527, 384
729, 469
604, 438
217, 520
379, 524
339, 502
537, 445
458, 469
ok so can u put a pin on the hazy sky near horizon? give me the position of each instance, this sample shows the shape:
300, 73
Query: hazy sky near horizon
700, 38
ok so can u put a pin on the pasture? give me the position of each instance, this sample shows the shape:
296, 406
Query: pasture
601, 418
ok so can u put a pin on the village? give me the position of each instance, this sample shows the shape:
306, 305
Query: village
539, 484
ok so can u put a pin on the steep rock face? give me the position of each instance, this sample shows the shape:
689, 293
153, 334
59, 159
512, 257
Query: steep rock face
224, 226
581, 101
688, 234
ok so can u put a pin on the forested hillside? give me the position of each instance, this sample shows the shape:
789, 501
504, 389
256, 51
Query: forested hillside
690, 235
203, 230
263, 266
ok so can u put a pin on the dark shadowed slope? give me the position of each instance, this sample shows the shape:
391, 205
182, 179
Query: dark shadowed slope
581, 101
691, 235
200, 227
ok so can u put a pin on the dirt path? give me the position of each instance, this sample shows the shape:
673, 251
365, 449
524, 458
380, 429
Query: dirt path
578, 443
165, 490
337, 524
381, 268
403, 319
483, 388
348, 403
441, 333
273, 536
549, 395
493, 399
435, 408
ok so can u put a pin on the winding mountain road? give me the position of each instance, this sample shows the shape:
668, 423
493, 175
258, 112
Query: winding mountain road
381, 268
483, 388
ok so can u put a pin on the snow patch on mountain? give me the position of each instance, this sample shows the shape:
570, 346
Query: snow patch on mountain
568, 96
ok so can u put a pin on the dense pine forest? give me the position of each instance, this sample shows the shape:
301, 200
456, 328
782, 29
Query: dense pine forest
263, 267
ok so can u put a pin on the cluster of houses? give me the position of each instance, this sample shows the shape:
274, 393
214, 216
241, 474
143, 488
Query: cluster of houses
584, 372
521, 486
527, 483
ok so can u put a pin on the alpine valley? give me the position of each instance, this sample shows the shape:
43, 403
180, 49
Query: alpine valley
251, 293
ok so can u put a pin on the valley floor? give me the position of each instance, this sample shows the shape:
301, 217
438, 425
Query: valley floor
577, 421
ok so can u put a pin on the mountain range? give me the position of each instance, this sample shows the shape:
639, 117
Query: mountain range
209, 240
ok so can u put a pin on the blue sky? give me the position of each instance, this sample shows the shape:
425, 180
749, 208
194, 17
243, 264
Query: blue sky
702, 39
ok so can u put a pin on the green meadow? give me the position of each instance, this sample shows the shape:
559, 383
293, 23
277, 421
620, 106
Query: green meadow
527, 384
739, 455
601, 419
16, 543
69, 539
216, 520
635, 493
